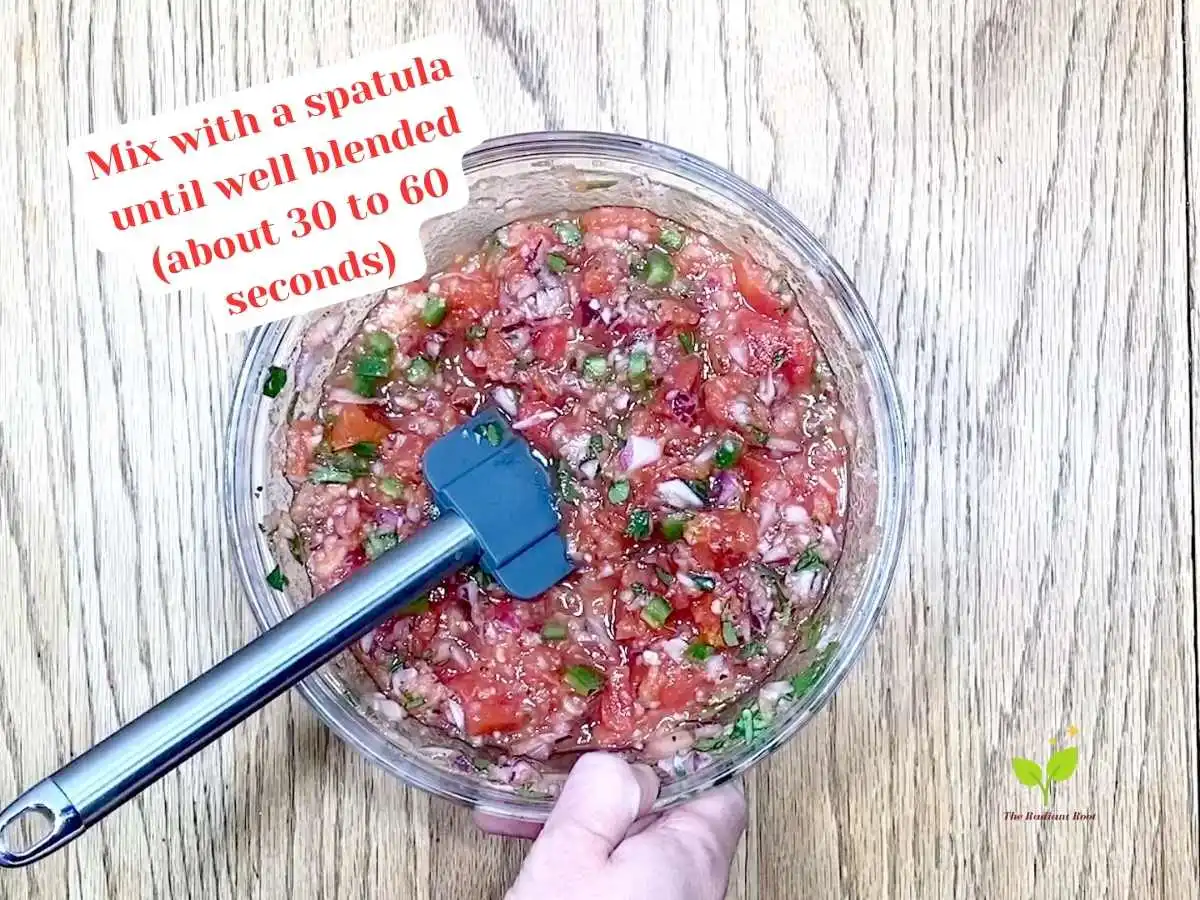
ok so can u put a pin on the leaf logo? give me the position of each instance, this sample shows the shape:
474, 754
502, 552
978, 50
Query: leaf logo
1059, 767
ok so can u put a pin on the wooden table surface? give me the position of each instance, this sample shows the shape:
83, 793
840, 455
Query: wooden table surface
1008, 183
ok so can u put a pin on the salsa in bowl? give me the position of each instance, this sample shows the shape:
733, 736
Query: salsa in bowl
722, 429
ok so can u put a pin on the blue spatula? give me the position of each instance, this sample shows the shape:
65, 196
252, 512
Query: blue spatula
496, 508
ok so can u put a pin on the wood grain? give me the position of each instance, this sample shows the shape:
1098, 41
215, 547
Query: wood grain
1007, 183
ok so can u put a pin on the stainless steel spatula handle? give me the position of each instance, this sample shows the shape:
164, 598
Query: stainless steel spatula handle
60, 807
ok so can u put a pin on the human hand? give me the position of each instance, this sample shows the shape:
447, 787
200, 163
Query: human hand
598, 844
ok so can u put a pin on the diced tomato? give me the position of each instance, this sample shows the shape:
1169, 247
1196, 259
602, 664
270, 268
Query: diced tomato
678, 312
670, 687
708, 623
682, 687
730, 399
550, 342
493, 714
729, 533
616, 704
617, 221
488, 705
469, 297
354, 424
602, 272
499, 356
754, 283
683, 375
695, 258
401, 455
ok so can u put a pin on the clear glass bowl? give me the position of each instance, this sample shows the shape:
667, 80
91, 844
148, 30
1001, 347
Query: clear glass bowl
540, 174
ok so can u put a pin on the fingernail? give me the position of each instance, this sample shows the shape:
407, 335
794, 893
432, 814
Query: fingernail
649, 784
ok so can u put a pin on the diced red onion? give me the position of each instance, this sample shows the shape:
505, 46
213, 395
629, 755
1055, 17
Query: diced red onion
775, 552
768, 515
343, 395
675, 648
388, 518
683, 406
546, 415
387, 708
803, 585
770, 694
678, 494
590, 467
739, 411
506, 399
716, 667
762, 601
598, 629
796, 515
782, 445
575, 448
639, 451
517, 339
524, 286
740, 353
766, 389
454, 713
707, 452
472, 592
727, 490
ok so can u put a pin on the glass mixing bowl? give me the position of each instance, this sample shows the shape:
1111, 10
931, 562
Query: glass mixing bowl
541, 174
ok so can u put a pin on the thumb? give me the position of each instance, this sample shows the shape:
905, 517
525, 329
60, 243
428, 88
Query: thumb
603, 796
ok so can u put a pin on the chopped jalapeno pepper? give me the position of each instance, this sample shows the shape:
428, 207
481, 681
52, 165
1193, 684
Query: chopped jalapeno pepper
659, 268
276, 380
378, 543
434, 311
729, 451
391, 487
276, 579
670, 239
656, 611
329, 475
379, 343
639, 525
583, 679
672, 527
568, 233
595, 367
419, 371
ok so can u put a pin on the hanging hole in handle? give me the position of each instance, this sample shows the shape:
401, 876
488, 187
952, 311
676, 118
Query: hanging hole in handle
27, 830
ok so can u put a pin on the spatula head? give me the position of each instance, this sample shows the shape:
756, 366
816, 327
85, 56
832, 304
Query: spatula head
489, 477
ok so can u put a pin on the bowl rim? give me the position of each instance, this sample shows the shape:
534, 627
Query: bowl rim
894, 503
